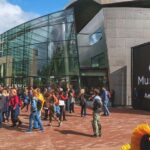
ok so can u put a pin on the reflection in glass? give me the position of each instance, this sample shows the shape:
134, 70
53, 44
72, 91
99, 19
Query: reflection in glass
95, 37
41, 48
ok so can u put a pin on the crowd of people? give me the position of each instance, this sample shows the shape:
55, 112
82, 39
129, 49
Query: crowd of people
52, 103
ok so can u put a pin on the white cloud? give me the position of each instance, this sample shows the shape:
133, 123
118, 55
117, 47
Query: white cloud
12, 15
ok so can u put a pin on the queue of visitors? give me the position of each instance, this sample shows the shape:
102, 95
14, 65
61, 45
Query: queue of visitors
54, 102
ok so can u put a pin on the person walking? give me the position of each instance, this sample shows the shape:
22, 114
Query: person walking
40, 105
15, 108
105, 99
34, 115
97, 108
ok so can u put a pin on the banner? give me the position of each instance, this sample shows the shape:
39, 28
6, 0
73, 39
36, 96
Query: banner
141, 76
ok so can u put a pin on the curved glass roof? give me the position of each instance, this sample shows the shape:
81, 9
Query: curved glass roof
43, 47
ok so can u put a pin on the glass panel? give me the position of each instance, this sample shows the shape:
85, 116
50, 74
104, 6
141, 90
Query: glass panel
37, 23
57, 18
63, 57
63, 66
62, 32
98, 60
70, 18
39, 49
62, 49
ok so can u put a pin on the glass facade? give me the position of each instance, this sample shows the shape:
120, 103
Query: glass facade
39, 49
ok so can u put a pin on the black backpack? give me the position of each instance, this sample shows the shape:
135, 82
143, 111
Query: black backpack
97, 105
39, 105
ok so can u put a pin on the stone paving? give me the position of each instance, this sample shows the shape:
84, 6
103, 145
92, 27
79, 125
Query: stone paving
76, 132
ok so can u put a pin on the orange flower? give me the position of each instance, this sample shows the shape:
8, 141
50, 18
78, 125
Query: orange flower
140, 139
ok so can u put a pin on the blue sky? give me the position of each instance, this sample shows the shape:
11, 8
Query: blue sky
41, 7
15, 12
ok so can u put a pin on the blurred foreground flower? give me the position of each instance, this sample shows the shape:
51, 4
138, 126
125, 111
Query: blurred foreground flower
126, 147
140, 139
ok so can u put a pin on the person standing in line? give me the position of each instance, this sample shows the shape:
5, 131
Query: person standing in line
97, 108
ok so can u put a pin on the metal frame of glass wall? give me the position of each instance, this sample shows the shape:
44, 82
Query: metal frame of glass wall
39, 50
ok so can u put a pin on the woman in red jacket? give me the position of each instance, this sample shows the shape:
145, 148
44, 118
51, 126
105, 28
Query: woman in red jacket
15, 108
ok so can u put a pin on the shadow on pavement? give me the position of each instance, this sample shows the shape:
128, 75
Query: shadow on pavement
73, 132
72, 115
21, 128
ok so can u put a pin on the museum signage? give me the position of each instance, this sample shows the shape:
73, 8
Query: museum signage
141, 76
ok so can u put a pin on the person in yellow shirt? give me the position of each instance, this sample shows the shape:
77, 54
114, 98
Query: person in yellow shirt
40, 97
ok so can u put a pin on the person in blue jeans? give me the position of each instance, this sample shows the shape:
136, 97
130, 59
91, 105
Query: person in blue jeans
105, 99
34, 114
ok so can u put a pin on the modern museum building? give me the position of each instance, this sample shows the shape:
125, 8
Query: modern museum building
90, 43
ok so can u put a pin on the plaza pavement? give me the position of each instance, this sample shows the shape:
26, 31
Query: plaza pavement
76, 132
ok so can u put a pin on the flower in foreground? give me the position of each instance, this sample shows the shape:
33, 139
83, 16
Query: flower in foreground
140, 139
126, 147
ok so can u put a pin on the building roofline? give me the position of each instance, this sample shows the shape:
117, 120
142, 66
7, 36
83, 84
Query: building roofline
141, 45
135, 3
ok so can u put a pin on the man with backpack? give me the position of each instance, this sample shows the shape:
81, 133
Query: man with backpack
97, 108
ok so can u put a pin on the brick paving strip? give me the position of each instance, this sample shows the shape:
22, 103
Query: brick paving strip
76, 132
